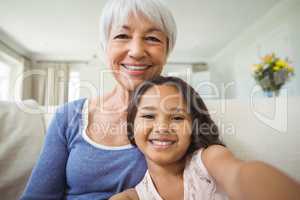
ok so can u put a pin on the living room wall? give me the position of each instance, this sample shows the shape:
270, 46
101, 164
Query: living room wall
278, 31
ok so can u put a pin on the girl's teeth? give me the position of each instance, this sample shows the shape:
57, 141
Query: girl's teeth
161, 143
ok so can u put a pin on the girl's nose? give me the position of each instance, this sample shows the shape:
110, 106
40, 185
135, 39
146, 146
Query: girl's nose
162, 128
136, 49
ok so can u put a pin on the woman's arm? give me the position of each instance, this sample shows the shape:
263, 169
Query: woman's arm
48, 178
129, 194
253, 180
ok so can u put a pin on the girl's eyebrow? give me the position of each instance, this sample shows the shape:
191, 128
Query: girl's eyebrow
151, 108
176, 109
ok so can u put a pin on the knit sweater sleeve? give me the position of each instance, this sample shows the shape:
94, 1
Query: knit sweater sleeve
48, 178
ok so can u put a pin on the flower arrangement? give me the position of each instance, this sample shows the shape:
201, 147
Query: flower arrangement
272, 73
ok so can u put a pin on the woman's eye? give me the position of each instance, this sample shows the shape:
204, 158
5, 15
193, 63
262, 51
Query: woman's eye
121, 36
148, 116
152, 39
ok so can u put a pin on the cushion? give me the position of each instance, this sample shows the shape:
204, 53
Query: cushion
21, 136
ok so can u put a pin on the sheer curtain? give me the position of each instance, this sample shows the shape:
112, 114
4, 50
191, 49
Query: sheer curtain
12, 72
50, 82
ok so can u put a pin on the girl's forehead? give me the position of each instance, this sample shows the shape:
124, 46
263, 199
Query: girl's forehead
163, 96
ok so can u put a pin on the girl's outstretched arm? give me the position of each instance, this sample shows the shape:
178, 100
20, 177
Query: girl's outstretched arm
253, 180
129, 194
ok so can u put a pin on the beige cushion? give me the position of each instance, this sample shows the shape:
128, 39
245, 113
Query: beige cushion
21, 138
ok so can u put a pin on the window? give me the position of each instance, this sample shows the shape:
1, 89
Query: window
74, 85
4, 81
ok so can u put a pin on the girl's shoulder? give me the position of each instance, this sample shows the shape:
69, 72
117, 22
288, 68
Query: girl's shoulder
202, 160
216, 154
198, 180
129, 194
195, 164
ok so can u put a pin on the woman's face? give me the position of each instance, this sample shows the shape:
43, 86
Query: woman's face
162, 126
136, 51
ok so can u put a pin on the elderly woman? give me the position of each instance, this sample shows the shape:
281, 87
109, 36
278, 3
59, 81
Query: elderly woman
86, 154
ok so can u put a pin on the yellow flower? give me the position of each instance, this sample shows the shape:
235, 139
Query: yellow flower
281, 63
276, 68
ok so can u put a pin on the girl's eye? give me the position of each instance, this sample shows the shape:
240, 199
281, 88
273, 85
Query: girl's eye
152, 39
121, 36
148, 116
177, 118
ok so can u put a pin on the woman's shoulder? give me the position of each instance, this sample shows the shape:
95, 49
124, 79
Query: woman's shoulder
72, 106
66, 113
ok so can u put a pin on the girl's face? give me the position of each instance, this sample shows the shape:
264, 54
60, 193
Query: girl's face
162, 126
136, 51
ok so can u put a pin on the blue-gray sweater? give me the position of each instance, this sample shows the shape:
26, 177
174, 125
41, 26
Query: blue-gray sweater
69, 167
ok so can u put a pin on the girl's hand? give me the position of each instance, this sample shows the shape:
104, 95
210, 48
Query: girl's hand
129, 194
253, 180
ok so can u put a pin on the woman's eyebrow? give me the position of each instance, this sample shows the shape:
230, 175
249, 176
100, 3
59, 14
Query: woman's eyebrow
126, 27
150, 30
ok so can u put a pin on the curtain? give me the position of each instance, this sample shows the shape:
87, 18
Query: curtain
50, 83
27, 79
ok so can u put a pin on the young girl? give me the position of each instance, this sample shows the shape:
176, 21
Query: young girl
170, 124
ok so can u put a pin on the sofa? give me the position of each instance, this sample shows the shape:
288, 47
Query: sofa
264, 129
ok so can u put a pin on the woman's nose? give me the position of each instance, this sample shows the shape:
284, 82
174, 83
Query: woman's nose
136, 49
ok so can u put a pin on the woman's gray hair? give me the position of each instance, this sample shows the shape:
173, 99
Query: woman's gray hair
116, 12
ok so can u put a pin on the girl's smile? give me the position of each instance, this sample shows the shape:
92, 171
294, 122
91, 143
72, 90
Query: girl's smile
162, 142
162, 126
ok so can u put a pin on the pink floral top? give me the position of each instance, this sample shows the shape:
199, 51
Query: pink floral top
198, 184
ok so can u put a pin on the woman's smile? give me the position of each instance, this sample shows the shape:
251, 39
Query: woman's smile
134, 69
137, 51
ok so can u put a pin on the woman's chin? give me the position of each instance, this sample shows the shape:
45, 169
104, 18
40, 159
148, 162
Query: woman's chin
130, 84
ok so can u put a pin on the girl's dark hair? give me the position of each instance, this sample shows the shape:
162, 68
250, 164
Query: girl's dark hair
204, 130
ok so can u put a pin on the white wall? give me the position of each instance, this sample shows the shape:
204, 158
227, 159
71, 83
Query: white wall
278, 31
95, 79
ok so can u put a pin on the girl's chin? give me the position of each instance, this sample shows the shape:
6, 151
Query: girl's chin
162, 160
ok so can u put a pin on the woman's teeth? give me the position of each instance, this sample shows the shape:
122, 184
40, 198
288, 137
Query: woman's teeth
132, 67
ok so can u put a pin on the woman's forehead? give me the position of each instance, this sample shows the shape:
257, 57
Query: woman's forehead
134, 20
